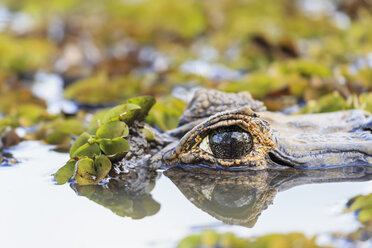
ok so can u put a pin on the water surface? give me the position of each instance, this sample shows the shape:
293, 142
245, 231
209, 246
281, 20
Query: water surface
36, 212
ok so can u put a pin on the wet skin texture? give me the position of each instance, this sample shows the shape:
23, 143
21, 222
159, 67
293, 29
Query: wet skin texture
264, 140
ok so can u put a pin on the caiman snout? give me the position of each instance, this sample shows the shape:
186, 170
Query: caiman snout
322, 140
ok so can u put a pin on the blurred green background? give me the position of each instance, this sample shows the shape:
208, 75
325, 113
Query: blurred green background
299, 56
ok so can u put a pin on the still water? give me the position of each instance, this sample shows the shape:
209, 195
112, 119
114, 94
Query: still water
34, 212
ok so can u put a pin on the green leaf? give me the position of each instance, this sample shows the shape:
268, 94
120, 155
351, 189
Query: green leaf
310, 68
89, 90
96, 121
115, 113
91, 171
101, 88
209, 238
115, 149
81, 140
365, 215
250, 82
362, 205
88, 150
112, 130
328, 103
147, 132
114, 146
86, 172
191, 241
56, 137
366, 101
166, 112
30, 114
69, 126
145, 103
360, 202
103, 167
25, 54
65, 173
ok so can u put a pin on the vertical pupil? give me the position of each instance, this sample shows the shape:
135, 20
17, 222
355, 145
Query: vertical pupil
230, 142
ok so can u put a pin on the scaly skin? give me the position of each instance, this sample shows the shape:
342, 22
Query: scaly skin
309, 141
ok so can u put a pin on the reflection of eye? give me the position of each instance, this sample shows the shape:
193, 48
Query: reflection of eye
228, 142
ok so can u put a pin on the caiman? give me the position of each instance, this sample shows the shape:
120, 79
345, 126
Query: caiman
226, 131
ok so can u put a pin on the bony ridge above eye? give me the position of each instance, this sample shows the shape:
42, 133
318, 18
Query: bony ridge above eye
195, 146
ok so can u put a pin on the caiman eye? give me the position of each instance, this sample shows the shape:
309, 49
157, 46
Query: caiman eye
228, 142
238, 138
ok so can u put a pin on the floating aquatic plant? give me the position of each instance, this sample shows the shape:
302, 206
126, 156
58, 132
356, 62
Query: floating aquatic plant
91, 154
166, 112
210, 238
362, 206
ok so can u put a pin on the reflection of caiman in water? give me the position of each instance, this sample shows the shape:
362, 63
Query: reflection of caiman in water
234, 198
249, 154
240, 199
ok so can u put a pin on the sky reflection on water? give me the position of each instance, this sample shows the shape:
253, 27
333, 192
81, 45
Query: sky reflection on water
37, 212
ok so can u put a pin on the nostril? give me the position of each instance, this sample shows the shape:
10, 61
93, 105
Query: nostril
276, 158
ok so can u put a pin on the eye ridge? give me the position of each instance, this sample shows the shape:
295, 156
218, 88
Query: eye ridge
228, 142
194, 148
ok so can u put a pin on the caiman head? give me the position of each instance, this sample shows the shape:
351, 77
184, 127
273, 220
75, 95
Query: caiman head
234, 132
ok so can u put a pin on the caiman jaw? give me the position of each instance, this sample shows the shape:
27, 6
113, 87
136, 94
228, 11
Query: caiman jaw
321, 140
314, 152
